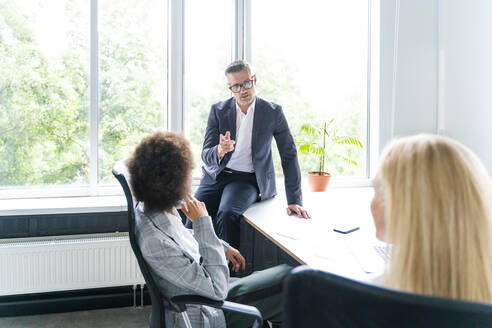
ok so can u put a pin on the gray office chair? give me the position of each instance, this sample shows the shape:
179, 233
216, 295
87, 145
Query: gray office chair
315, 298
177, 303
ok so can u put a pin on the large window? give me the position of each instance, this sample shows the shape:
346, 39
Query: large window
82, 81
44, 77
208, 50
132, 77
311, 58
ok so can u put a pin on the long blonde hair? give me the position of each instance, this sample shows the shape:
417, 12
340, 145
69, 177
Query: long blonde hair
437, 197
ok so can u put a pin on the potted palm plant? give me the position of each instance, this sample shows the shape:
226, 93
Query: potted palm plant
326, 136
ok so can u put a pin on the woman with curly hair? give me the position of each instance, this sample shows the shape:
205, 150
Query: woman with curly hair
185, 261
433, 203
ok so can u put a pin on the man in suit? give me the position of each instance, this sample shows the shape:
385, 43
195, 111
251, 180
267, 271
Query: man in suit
237, 155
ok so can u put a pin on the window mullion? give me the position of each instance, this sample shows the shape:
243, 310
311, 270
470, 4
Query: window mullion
238, 31
175, 121
373, 117
368, 93
94, 97
247, 30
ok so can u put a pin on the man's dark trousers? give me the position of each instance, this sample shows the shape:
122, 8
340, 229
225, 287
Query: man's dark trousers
226, 200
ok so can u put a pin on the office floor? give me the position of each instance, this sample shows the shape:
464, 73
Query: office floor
127, 317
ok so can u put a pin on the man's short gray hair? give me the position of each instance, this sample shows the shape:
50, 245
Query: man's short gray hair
238, 66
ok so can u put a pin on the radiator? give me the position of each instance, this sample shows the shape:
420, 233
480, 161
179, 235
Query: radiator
56, 265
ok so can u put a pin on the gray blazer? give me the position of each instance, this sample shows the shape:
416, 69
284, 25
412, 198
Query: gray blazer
268, 122
176, 271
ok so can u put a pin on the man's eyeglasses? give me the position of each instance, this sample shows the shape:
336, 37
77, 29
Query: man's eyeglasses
246, 85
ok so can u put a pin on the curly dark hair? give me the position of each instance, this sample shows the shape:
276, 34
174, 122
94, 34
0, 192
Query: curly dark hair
159, 169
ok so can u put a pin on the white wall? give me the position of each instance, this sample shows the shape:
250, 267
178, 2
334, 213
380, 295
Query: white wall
467, 74
438, 79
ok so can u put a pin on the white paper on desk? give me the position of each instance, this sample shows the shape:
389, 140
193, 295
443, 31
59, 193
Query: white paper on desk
318, 240
318, 244
294, 228
362, 248
330, 247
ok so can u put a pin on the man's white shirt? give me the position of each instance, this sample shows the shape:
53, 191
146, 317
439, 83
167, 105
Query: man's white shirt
241, 159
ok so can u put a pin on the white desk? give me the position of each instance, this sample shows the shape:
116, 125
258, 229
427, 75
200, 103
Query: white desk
313, 241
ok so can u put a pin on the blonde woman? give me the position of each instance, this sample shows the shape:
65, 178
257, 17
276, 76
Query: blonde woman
432, 202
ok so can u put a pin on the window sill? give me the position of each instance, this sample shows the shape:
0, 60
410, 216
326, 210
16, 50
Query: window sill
65, 205
99, 204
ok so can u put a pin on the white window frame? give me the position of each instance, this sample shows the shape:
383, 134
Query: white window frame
243, 34
242, 45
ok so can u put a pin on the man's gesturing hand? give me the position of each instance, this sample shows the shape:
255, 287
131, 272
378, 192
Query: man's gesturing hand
236, 259
296, 209
225, 144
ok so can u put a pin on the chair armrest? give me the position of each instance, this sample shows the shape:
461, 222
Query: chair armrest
248, 310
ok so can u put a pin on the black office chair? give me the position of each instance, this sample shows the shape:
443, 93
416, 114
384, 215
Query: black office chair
315, 298
177, 303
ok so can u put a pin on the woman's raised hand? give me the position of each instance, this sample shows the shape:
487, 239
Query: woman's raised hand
193, 208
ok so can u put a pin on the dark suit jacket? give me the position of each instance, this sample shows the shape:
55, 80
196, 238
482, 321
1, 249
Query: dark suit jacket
269, 121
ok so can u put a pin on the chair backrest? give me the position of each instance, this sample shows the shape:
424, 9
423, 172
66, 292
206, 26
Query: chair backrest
314, 298
120, 171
